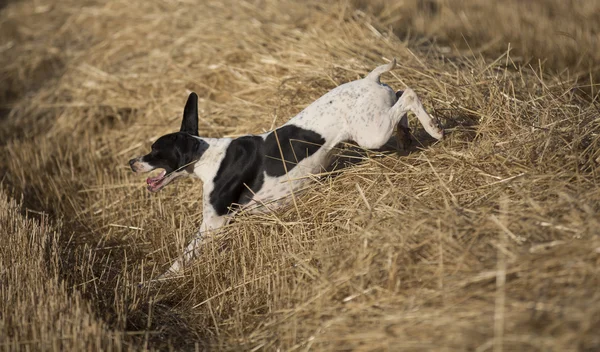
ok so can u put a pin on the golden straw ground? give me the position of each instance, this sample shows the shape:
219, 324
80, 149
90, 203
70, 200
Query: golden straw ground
484, 240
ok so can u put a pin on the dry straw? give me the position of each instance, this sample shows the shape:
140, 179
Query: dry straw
485, 240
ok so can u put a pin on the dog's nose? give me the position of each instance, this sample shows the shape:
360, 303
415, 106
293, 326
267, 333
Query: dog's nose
131, 162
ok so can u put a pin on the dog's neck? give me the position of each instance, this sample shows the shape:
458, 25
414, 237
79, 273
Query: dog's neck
206, 167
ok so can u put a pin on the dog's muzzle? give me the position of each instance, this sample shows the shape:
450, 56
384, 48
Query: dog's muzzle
132, 164
139, 166
136, 165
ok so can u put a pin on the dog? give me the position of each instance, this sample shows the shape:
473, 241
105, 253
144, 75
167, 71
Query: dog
263, 170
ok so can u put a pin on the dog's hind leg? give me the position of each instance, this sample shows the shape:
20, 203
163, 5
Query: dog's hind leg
409, 101
381, 125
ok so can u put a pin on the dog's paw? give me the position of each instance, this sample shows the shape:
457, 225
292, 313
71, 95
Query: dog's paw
166, 276
169, 275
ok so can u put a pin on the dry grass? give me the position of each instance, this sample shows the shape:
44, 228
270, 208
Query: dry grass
39, 311
562, 35
486, 240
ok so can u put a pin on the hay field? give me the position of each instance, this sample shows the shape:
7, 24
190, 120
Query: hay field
487, 240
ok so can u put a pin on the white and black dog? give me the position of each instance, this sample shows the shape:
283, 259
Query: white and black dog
261, 170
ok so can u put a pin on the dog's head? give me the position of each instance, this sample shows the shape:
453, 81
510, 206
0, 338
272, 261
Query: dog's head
175, 153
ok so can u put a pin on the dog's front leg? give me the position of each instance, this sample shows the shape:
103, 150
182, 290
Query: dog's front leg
210, 222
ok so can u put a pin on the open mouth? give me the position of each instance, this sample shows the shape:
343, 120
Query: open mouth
157, 182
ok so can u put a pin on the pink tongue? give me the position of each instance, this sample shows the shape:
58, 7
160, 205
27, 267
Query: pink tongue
160, 176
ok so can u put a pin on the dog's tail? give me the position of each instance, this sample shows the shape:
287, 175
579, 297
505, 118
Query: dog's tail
374, 75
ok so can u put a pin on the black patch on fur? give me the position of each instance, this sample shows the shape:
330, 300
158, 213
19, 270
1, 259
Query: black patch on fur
296, 144
175, 151
189, 123
241, 168
241, 173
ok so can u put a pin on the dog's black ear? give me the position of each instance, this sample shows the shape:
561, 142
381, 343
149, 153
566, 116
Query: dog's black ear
190, 116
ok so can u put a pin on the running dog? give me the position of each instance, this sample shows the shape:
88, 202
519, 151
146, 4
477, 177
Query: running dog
261, 171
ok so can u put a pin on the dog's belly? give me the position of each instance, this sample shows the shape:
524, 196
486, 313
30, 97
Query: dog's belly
278, 191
